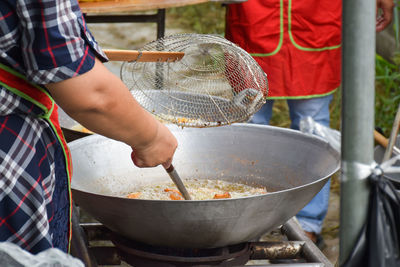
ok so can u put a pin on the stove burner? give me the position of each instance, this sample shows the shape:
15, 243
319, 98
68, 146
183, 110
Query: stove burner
91, 242
143, 255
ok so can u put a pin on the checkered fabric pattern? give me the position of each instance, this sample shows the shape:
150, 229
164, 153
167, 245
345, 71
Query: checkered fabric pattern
34, 202
47, 41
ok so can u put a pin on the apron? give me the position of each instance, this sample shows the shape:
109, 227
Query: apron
296, 42
17, 84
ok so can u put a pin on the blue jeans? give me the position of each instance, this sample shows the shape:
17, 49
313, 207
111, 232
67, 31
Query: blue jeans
312, 215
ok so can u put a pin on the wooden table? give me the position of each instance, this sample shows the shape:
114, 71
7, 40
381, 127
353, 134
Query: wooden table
122, 11
112, 6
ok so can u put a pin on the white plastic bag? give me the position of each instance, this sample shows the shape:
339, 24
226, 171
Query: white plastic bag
309, 126
12, 255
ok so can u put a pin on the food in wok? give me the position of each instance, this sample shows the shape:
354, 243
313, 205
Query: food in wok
199, 189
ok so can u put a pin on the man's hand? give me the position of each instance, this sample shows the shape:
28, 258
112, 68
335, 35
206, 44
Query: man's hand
384, 14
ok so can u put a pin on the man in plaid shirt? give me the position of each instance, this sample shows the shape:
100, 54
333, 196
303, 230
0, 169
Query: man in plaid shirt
47, 53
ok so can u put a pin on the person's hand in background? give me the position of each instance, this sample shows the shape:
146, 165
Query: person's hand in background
384, 14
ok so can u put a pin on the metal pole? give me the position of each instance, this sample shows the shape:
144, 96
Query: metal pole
358, 74
160, 23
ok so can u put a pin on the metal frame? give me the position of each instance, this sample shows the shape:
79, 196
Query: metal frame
310, 251
298, 245
158, 18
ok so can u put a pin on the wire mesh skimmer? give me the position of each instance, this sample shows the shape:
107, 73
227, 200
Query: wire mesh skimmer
215, 83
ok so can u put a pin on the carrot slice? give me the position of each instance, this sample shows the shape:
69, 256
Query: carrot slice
224, 195
182, 120
172, 190
175, 196
134, 195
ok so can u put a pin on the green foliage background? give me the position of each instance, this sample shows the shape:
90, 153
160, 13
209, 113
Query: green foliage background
210, 18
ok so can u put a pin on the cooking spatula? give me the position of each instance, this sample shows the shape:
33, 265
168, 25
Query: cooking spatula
178, 182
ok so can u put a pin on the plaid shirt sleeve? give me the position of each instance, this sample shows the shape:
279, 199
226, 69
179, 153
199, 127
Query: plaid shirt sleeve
47, 40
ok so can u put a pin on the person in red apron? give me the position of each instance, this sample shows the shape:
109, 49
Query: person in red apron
47, 58
298, 45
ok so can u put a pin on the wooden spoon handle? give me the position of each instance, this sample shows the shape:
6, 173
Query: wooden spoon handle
380, 139
383, 141
143, 56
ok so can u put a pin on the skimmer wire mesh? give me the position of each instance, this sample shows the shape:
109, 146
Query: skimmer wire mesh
215, 83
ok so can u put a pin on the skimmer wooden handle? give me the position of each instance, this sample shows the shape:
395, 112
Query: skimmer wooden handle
143, 56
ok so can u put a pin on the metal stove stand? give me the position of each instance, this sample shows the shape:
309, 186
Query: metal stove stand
91, 242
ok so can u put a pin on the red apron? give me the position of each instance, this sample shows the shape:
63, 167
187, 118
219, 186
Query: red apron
40, 97
296, 42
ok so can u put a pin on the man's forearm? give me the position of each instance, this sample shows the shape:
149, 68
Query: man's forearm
102, 103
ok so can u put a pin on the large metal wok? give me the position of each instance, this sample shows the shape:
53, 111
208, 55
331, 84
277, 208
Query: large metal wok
292, 165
